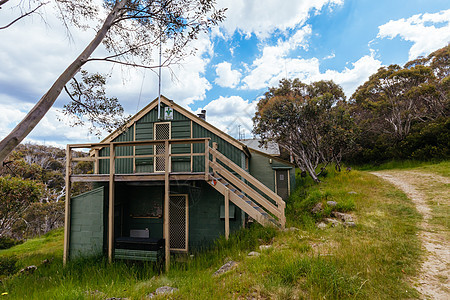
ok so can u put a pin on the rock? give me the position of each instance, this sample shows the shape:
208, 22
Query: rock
349, 224
115, 298
317, 208
342, 216
225, 268
332, 203
291, 229
164, 290
352, 193
29, 269
321, 225
333, 222
265, 247
254, 253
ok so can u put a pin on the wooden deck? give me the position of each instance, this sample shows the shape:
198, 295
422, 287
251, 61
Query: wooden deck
181, 176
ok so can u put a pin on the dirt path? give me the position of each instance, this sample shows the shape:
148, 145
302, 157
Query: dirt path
434, 279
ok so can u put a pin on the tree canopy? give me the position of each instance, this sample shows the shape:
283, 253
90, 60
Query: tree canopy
306, 120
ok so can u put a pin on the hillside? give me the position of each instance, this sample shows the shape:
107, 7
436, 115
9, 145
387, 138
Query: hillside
378, 258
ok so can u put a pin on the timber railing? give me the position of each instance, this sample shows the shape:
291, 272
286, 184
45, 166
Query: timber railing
276, 207
96, 157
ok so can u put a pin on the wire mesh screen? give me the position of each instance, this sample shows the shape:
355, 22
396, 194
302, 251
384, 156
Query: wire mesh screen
162, 132
178, 222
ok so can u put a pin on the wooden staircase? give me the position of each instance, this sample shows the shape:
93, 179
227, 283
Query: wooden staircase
245, 191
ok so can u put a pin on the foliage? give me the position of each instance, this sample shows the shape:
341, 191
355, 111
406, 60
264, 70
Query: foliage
8, 265
308, 121
404, 112
8, 242
16, 197
45, 166
90, 103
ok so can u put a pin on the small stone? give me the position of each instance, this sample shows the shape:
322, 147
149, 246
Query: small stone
352, 193
29, 269
164, 290
225, 268
342, 216
321, 225
332, 203
291, 229
349, 224
254, 253
333, 222
317, 208
265, 247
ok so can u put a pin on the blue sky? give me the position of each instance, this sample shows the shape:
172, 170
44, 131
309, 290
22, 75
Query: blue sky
260, 42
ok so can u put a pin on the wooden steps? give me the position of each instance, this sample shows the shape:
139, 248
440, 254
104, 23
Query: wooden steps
255, 204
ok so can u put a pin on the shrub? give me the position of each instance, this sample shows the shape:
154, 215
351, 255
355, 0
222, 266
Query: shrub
8, 242
8, 265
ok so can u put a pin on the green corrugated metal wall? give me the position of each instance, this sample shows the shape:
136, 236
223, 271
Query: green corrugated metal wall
86, 224
180, 128
227, 149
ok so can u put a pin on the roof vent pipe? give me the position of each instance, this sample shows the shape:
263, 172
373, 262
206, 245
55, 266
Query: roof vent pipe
202, 115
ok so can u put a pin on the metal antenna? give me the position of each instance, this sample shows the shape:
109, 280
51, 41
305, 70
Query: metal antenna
159, 76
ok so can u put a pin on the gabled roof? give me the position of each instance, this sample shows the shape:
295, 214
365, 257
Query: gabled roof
182, 111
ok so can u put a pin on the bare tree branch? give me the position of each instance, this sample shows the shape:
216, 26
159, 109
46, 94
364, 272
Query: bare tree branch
22, 16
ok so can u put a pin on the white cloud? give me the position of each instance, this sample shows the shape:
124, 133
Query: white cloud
263, 17
226, 113
350, 79
226, 77
271, 68
273, 64
421, 30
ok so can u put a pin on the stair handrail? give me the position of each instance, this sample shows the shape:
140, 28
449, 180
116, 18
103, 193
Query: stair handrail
255, 182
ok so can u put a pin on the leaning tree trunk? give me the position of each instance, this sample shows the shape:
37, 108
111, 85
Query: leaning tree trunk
46, 102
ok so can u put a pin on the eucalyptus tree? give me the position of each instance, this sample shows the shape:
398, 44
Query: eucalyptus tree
305, 120
130, 30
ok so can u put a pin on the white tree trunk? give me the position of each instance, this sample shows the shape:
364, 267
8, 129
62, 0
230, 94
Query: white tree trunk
46, 102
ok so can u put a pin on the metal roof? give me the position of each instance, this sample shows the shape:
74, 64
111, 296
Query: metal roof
271, 148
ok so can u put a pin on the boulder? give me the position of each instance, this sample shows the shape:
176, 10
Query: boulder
265, 247
332, 203
342, 216
332, 221
317, 208
164, 290
321, 225
254, 253
225, 268
349, 224
291, 229
29, 269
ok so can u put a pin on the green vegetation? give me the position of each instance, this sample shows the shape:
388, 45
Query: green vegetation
373, 259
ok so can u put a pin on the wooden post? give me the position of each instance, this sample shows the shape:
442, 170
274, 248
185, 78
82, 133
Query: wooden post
166, 206
207, 160
67, 206
112, 169
96, 162
215, 148
227, 213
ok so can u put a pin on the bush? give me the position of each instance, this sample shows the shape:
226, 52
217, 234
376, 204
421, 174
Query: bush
8, 242
8, 265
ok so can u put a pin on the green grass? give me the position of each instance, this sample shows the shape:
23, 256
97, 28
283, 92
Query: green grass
372, 260
397, 164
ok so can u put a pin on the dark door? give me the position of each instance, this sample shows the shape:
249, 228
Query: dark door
178, 222
282, 183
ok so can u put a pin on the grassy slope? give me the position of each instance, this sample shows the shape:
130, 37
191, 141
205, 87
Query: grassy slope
372, 260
